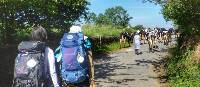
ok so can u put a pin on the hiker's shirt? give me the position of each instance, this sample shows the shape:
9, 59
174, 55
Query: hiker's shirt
50, 56
137, 41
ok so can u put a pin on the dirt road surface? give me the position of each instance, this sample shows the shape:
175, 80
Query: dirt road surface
125, 69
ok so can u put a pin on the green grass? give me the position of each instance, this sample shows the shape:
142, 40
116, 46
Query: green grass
107, 48
95, 30
182, 71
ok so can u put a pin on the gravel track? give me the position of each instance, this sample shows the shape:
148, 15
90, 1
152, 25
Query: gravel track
125, 69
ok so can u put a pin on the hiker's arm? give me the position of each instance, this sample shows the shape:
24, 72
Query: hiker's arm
52, 68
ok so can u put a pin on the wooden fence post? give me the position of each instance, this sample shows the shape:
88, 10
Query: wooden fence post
100, 40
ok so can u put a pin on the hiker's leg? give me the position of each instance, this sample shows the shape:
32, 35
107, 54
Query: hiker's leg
135, 51
91, 64
91, 81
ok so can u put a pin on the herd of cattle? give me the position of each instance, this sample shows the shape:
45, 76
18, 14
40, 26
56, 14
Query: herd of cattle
151, 37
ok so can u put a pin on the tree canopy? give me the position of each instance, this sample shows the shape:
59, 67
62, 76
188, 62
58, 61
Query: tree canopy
139, 27
186, 15
21, 14
116, 16
90, 17
52, 13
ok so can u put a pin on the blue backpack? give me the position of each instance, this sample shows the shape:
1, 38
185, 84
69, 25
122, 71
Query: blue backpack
72, 58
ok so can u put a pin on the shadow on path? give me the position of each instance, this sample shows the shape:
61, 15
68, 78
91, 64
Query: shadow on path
7, 55
159, 66
105, 68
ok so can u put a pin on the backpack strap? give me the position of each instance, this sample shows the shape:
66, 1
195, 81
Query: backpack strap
58, 54
31, 46
47, 80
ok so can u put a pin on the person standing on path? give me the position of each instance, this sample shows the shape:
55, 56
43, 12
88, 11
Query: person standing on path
137, 43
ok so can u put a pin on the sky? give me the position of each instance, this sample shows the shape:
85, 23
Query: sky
146, 14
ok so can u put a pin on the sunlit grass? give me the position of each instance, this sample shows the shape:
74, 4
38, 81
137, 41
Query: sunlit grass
108, 48
95, 30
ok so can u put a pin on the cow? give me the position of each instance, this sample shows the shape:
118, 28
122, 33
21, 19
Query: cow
123, 37
151, 38
143, 36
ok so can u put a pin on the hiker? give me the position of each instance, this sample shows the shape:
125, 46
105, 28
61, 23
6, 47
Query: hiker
74, 57
137, 43
35, 63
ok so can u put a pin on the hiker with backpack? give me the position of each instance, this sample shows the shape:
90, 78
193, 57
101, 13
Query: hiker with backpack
35, 62
74, 59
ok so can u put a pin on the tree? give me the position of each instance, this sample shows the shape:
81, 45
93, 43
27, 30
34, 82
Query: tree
21, 14
161, 2
139, 27
90, 18
103, 20
186, 15
118, 16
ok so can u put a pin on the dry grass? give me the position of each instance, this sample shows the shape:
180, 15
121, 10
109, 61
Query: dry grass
196, 55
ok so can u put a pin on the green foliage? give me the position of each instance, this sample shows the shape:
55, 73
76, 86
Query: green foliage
102, 20
139, 27
186, 14
95, 31
109, 30
183, 12
105, 31
22, 34
22, 14
182, 70
90, 18
107, 48
51, 13
116, 16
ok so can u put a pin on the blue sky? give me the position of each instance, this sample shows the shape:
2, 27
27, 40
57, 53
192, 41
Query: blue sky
147, 14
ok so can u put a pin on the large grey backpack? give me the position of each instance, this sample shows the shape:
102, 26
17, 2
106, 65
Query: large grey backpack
30, 65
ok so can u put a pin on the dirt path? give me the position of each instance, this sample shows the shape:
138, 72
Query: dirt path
125, 69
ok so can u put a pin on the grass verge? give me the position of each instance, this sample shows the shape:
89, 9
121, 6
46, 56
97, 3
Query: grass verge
97, 49
97, 30
182, 70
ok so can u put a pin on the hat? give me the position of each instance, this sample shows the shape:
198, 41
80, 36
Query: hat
138, 31
75, 29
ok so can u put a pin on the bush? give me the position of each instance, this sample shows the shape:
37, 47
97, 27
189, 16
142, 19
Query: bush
22, 34
182, 71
